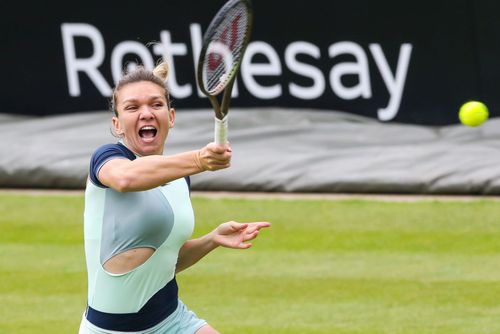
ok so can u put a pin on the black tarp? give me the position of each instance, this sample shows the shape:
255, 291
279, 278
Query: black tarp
275, 150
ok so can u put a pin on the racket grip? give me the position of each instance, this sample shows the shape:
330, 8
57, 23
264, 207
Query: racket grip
221, 131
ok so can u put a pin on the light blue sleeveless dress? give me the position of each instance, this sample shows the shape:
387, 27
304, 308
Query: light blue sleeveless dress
143, 300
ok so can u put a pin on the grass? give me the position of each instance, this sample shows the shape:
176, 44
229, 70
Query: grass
349, 266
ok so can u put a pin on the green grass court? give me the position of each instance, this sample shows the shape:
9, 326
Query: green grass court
346, 266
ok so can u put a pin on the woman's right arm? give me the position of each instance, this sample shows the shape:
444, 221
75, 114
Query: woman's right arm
148, 172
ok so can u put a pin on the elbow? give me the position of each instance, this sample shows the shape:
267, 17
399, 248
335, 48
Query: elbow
124, 184
122, 187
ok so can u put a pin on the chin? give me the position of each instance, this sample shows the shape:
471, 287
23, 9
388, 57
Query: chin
152, 150
151, 147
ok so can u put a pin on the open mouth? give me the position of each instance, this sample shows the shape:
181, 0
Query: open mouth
147, 132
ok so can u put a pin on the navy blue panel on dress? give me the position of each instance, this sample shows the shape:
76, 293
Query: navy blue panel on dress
158, 308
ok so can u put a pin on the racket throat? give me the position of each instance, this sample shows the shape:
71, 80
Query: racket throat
216, 106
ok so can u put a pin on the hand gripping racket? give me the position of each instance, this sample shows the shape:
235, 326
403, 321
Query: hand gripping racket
224, 44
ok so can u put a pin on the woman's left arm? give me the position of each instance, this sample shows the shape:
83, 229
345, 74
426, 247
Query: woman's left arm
230, 235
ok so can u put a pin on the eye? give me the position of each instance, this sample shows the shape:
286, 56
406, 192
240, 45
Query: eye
158, 105
130, 107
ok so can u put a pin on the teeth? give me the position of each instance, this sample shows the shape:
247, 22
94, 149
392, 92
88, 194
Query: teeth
148, 127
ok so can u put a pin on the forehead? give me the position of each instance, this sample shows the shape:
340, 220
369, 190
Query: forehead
139, 91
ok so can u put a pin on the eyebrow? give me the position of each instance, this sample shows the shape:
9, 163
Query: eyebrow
152, 97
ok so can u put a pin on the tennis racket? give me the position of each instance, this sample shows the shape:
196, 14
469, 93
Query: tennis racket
224, 44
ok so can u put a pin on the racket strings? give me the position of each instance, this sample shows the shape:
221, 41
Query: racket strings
226, 46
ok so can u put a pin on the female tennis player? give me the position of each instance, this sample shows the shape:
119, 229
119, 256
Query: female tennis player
138, 217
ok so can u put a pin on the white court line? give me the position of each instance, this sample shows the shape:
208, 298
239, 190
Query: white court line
285, 196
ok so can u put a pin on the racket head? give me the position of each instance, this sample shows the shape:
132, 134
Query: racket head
224, 44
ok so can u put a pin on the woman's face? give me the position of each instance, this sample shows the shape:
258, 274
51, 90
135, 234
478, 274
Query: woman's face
144, 118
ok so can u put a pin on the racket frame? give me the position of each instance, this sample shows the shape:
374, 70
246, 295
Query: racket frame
221, 109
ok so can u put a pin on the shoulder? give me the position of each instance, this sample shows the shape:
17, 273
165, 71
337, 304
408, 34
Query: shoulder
105, 153
111, 150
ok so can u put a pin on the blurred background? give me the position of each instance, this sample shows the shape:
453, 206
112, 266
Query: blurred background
350, 96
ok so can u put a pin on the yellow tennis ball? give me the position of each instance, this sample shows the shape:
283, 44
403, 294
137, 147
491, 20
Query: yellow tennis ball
473, 113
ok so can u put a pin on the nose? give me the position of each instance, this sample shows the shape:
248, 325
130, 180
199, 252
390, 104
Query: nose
146, 113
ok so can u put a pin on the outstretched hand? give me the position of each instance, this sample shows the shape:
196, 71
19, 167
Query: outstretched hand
236, 235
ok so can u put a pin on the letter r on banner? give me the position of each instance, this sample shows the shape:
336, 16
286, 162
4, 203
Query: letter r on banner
88, 65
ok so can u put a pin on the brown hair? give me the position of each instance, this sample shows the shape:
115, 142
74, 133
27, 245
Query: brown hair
157, 76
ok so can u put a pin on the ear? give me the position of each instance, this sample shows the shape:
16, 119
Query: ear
171, 118
116, 126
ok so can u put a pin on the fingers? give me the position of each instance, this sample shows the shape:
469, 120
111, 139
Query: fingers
250, 227
230, 228
250, 236
214, 157
236, 235
219, 148
252, 230
238, 226
257, 226
262, 224
245, 246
